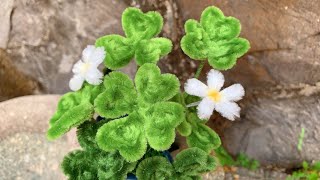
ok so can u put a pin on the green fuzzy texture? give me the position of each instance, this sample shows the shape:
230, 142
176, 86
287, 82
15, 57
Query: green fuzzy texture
185, 128
214, 38
152, 86
154, 168
202, 136
160, 124
125, 135
139, 28
92, 162
73, 109
152, 120
188, 164
119, 97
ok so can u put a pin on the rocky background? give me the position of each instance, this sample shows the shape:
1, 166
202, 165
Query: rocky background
41, 39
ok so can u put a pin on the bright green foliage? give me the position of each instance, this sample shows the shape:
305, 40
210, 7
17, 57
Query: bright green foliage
153, 86
244, 161
118, 97
215, 38
188, 164
224, 157
151, 118
73, 109
308, 172
93, 163
185, 128
139, 28
202, 136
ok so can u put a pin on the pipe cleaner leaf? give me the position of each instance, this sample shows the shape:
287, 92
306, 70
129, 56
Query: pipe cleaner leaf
202, 136
193, 161
152, 86
215, 38
154, 168
119, 50
119, 97
184, 128
139, 28
88, 165
161, 121
73, 109
125, 135
150, 51
139, 25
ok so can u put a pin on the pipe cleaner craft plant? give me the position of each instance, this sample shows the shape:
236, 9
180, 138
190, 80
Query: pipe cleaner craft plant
137, 120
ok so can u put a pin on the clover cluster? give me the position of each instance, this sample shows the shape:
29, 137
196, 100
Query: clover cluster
138, 119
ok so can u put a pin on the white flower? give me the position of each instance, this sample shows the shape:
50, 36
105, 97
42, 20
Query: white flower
86, 69
214, 99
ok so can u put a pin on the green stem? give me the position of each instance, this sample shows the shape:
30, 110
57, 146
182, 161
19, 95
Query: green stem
200, 67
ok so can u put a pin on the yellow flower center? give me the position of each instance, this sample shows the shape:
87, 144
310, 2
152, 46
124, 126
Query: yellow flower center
85, 67
214, 95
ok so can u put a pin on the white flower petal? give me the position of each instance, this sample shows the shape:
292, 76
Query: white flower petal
94, 76
77, 67
93, 55
87, 53
215, 79
195, 87
205, 108
229, 110
76, 82
233, 93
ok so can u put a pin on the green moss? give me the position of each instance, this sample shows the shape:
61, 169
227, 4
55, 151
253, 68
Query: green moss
139, 28
215, 38
73, 109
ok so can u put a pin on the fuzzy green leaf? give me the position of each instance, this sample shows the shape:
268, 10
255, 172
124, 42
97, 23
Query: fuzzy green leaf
119, 50
125, 135
184, 128
161, 121
88, 165
215, 38
72, 118
152, 86
119, 97
154, 168
138, 25
150, 51
193, 161
202, 136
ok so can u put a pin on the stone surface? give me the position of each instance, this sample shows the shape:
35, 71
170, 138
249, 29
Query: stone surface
240, 173
24, 151
47, 37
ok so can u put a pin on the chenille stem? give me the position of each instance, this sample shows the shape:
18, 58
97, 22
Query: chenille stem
200, 67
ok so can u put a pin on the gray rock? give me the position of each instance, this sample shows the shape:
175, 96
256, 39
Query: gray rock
5, 14
47, 37
262, 174
24, 151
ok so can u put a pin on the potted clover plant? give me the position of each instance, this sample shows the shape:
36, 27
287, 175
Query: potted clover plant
125, 126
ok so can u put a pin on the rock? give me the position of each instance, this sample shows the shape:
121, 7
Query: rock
263, 174
47, 37
280, 73
24, 151
13, 83
5, 14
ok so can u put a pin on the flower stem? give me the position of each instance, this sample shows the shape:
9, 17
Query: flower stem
200, 67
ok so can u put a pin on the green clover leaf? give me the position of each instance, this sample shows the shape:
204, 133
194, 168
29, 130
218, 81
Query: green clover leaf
215, 38
126, 135
152, 86
151, 118
139, 25
119, 97
188, 164
193, 161
202, 136
161, 121
139, 28
154, 168
73, 109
